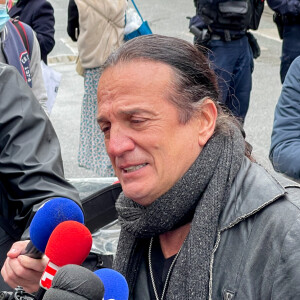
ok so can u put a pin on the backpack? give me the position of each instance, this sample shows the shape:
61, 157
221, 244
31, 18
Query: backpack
28, 42
18, 47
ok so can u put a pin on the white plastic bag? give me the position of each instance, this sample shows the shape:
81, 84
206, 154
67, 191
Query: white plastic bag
105, 240
133, 21
52, 80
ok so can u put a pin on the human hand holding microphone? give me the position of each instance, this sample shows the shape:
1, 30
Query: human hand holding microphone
69, 243
63, 278
19, 268
59, 247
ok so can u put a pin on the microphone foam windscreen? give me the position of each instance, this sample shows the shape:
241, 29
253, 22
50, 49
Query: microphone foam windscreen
55, 294
49, 216
115, 284
74, 282
69, 243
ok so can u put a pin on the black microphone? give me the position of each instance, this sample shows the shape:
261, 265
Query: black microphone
73, 282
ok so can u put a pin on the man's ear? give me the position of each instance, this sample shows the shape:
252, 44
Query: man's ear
207, 118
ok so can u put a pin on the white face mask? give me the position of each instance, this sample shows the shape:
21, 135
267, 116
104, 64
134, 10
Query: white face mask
4, 17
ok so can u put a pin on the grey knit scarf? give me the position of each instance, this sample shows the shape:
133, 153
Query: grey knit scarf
203, 190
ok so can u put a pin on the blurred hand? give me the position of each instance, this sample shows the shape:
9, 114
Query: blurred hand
23, 270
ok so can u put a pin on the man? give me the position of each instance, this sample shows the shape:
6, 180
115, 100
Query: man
285, 140
39, 15
198, 219
14, 52
287, 18
223, 29
31, 169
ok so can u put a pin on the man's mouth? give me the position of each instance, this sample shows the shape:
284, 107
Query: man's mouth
134, 168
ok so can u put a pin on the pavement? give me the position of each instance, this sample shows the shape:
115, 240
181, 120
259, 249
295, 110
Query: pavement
169, 18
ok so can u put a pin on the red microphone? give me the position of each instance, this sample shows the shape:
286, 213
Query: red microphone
69, 243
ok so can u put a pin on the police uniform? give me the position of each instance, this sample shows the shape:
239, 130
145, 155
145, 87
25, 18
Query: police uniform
230, 53
289, 24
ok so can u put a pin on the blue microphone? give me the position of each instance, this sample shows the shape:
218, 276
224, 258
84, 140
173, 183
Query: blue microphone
52, 213
115, 284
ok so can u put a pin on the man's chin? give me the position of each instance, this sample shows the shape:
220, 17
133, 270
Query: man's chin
137, 195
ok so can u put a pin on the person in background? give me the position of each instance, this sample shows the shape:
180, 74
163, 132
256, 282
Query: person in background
101, 25
73, 21
285, 139
24, 54
287, 19
223, 28
39, 15
199, 218
31, 172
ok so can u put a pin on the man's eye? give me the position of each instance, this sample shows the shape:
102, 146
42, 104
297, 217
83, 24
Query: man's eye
136, 121
104, 128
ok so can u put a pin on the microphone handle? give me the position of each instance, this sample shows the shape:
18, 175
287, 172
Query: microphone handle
32, 251
40, 294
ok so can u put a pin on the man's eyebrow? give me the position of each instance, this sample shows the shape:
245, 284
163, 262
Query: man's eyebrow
127, 112
135, 111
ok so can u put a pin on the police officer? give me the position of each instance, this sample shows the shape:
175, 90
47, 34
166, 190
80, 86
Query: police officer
287, 18
222, 28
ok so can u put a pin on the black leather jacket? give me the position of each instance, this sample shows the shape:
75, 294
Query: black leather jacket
256, 254
31, 168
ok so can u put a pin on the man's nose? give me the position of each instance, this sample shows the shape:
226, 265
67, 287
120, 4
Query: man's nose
119, 142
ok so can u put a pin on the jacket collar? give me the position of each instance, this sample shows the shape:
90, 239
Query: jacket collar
16, 9
252, 190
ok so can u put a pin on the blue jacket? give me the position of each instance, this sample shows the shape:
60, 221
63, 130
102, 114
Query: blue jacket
284, 7
39, 15
285, 140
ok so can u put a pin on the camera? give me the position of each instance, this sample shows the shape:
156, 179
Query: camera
17, 294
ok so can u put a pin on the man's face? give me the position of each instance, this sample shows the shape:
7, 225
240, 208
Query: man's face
148, 147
